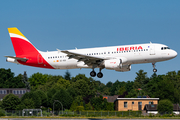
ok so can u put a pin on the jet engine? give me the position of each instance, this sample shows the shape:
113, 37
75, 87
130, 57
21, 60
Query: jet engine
117, 64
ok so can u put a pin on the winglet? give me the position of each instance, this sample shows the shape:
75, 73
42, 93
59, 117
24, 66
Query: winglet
58, 50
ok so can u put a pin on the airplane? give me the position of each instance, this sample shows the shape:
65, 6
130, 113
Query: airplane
118, 58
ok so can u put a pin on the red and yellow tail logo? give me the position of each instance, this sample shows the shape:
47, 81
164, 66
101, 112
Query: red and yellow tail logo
22, 46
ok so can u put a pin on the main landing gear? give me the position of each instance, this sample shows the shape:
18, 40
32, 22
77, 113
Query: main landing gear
99, 75
154, 69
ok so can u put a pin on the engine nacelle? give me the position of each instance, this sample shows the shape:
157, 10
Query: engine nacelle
117, 64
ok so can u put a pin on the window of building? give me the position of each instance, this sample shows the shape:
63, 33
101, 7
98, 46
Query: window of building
0, 91
132, 103
150, 102
17, 91
14, 92
125, 104
20, 91
24, 91
139, 103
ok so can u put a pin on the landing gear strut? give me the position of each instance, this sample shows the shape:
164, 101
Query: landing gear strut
154, 69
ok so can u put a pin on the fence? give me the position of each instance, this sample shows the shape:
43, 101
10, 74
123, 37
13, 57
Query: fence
77, 113
83, 113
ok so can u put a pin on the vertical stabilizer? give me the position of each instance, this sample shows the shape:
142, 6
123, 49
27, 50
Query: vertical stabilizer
22, 46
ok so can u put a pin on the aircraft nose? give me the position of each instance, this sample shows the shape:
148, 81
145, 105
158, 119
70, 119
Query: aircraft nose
174, 53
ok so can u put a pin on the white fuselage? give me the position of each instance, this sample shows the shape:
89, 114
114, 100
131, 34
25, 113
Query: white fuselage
148, 53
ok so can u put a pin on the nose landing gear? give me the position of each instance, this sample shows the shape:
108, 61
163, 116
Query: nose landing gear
154, 69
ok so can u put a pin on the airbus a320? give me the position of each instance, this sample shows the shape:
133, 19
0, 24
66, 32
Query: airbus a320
118, 58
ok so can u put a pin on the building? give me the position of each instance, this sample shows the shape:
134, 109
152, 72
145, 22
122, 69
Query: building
110, 99
153, 108
134, 104
16, 91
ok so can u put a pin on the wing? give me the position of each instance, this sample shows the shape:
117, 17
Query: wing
88, 60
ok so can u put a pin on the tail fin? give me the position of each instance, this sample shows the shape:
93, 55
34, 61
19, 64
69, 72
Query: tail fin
22, 46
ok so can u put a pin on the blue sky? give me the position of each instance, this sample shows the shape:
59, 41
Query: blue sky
91, 23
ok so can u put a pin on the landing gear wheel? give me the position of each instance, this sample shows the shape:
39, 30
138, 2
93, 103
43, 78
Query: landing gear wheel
154, 70
100, 75
93, 73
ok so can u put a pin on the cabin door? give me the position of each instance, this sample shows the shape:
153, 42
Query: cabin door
152, 50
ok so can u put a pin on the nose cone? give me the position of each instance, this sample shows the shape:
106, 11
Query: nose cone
174, 54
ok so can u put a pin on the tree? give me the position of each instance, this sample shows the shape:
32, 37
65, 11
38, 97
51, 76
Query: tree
10, 102
165, 106
37, 79
81, 87
34, 96
110, 106
25, 81
67, 75
6, 76
8, 80
120, 91
109, 84
63, 97
28, 103
74, 106
64, 83
114, 87
165, 89
141, 79
99, 103
42, 96
88, 106
129, 85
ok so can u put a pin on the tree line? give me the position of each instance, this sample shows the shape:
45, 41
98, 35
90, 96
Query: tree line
82, 93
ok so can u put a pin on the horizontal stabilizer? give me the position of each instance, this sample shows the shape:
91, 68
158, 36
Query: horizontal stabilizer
17, 58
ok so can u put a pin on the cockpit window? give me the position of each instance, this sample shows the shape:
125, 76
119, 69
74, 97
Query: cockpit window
164, 48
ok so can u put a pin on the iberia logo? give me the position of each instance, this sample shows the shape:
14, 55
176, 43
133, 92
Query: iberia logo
129, 48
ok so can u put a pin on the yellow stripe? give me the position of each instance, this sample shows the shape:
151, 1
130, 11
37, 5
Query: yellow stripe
15, 31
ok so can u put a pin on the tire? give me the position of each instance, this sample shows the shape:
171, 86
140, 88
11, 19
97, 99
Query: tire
92, 73
99, 75
154, 70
